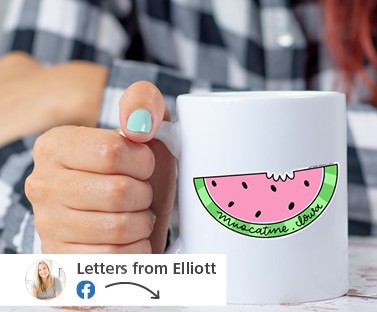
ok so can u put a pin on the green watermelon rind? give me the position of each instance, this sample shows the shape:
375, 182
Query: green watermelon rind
277, 229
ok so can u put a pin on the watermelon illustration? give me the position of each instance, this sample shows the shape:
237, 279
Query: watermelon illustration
259, 206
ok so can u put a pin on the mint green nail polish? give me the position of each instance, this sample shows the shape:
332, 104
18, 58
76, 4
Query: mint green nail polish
140, 121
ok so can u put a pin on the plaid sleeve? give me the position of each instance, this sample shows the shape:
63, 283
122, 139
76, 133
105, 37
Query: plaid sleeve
16, 216
61, 30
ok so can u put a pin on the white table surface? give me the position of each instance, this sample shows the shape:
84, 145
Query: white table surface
361, 297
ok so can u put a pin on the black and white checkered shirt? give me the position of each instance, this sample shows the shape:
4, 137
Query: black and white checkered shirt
183, 46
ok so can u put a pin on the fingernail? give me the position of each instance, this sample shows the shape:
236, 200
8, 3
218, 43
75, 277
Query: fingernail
140, 121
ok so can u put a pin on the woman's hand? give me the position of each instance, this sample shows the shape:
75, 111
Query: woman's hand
57, 294
35, 98
95, 191
34, 292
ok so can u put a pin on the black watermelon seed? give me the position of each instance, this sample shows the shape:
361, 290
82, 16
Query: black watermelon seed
230, 204
306, 182
257, 214
273, 188
244, 185
291, 206
214, 183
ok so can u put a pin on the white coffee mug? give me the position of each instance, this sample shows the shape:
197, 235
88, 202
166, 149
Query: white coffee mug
263, 179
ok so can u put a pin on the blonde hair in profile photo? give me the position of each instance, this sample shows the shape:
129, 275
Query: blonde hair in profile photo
40, 286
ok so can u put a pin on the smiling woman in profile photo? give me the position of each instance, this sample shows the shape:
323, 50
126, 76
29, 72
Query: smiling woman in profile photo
45, 285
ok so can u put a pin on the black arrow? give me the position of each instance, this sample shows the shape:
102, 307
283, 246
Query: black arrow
155, 295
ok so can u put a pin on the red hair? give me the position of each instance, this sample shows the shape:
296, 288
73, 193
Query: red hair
350, 30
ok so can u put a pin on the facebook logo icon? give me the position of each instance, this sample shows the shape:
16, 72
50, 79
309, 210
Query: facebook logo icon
85, 289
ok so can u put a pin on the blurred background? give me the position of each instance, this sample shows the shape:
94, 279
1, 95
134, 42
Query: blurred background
3, 5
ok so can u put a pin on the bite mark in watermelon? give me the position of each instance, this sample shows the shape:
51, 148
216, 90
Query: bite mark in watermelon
258, 206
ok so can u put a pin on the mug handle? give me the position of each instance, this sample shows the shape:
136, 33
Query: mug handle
168, 134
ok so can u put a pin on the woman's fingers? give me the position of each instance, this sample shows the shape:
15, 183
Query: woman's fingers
89, 188
97, 192
141, 111
94, 150
93, 227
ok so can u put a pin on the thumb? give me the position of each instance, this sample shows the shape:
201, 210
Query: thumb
141, 110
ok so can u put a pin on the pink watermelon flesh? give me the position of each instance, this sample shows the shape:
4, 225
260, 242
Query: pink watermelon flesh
258, 199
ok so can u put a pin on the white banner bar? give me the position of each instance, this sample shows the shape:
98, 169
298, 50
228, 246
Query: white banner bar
107, 280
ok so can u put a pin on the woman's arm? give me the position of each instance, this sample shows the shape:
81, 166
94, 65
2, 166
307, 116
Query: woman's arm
34, 292
35, 98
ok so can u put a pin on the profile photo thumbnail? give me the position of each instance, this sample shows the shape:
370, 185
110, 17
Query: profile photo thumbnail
45, 279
